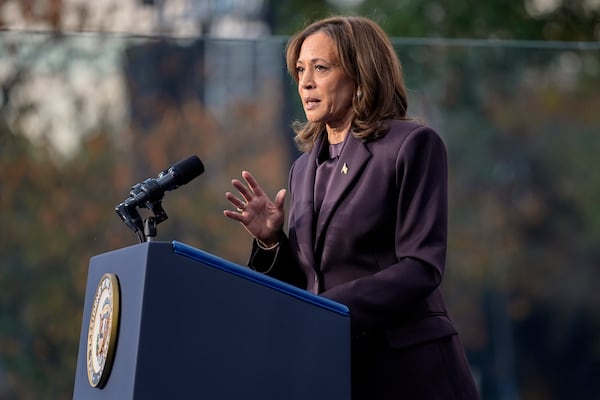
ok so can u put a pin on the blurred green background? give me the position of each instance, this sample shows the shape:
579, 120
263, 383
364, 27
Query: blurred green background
97, 97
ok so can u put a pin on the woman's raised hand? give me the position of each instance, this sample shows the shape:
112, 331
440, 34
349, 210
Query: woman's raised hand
261, 217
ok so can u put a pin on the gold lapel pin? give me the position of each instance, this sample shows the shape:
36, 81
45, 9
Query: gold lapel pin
344, 169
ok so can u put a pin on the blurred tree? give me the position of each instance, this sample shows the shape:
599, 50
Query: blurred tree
47, 242
58, 211
460, 19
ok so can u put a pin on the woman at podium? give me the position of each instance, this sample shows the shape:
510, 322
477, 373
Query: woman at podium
367, 221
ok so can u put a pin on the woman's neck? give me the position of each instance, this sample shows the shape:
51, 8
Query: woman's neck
336, 133
335, 138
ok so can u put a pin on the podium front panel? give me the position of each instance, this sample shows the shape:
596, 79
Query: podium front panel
195, 325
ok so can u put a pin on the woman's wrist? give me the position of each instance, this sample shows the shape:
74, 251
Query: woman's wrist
267, 245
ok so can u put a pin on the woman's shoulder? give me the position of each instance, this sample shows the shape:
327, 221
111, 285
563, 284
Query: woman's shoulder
404, 138
407, 126
400, 130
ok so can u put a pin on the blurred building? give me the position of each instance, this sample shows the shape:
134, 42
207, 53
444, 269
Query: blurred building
216, 18
153, 45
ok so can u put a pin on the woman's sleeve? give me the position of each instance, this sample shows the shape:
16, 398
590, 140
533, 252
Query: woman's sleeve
277, 262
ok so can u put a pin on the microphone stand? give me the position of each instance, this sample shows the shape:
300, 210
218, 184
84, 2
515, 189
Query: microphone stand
144, 229
150, 228
150, 223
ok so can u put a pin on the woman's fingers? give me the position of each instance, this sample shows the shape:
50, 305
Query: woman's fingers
252, 183
233, 215
280, 198
246, 193
237, 203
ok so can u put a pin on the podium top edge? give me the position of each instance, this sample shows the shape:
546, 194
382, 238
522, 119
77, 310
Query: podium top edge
247, 273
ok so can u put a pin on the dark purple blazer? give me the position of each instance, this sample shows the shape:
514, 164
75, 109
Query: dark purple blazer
378, 246
379, 242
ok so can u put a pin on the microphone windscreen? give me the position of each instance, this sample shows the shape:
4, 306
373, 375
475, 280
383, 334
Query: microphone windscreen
186, 170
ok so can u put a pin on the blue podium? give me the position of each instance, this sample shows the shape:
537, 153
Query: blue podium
185, 324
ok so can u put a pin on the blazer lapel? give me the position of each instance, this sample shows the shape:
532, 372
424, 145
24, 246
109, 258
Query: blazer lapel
302, 214
350, 165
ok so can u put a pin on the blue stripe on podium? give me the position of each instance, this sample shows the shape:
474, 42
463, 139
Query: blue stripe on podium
247, 273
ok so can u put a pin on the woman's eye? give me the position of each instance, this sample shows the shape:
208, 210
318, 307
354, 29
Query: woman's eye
320, 68
299, 69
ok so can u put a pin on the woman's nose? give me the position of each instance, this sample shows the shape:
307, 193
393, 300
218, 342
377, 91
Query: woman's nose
306, 80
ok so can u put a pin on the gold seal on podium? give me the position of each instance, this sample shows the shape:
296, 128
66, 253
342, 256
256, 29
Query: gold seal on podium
102, 332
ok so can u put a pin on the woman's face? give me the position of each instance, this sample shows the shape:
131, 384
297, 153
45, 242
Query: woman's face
325, 89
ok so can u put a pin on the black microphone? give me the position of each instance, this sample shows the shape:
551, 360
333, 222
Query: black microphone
153, 189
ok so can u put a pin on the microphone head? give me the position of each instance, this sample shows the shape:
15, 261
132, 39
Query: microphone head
186, 170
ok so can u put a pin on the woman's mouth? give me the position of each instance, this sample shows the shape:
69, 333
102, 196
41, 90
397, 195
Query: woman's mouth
310, 103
